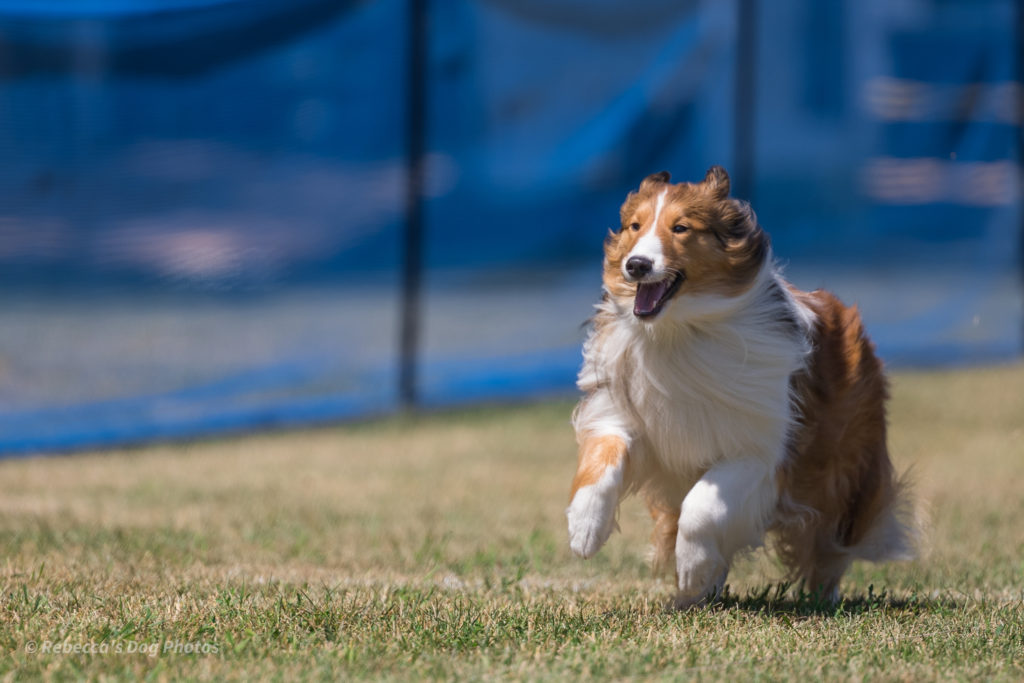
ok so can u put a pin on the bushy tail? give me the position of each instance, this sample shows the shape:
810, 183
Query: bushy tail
818, 550
898, 531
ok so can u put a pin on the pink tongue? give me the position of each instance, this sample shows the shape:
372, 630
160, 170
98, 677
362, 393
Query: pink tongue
648, 295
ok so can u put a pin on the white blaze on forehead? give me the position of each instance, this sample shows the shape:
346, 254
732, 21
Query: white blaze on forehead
649, 244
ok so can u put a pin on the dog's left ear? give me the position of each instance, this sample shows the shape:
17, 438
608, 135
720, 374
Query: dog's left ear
717, 182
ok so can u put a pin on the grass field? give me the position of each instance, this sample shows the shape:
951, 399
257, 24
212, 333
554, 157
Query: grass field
435, 547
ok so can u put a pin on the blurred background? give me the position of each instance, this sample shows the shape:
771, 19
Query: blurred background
218, 215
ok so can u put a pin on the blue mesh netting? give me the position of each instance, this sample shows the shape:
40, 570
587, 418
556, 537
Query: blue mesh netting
202, 201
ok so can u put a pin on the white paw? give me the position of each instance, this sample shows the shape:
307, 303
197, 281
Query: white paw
702, 572
591, 513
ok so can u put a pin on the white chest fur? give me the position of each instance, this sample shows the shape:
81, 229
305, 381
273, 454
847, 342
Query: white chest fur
697, 391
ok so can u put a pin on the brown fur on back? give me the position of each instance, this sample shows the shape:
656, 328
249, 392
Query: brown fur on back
838, 469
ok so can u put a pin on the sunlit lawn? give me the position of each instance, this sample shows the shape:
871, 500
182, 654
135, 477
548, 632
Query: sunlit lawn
435, 547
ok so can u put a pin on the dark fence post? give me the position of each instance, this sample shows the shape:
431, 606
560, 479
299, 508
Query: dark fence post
745, 101
412, 257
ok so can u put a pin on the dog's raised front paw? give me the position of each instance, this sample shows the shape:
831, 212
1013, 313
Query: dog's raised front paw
591, 516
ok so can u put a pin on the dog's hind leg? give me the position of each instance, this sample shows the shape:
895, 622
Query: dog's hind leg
595, 494
663, 537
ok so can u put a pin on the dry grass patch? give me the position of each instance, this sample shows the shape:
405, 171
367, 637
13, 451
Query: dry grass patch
435, 547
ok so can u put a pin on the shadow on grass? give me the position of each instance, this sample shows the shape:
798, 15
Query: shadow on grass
789, 600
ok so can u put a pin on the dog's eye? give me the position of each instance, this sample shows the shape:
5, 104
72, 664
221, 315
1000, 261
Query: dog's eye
680, 228
634, 226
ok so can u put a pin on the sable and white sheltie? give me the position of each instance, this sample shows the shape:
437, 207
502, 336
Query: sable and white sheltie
735, 404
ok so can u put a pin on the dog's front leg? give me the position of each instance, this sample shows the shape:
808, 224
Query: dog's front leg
596, 489
726, 510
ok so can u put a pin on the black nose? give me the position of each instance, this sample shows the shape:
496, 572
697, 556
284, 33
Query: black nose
638, 266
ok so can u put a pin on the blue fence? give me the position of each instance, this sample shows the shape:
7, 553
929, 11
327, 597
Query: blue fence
206, 211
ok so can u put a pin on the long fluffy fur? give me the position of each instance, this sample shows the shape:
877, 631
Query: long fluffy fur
744, 407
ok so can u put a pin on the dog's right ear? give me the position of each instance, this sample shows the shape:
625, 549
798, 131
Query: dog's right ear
659, 178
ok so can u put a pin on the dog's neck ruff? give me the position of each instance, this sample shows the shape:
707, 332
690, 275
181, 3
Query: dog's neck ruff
711, 379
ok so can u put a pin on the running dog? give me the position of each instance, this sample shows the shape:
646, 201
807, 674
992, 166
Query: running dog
735, 404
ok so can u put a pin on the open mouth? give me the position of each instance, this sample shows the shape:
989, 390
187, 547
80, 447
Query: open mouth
651, 297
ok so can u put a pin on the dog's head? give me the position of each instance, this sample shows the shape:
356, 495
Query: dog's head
682, 239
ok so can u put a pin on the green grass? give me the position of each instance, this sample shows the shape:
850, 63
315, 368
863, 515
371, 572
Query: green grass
434, 547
